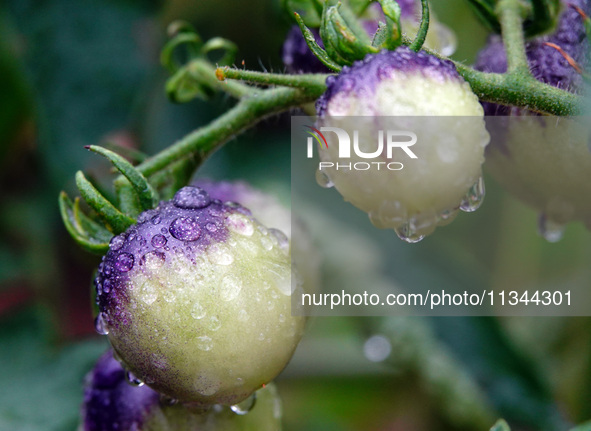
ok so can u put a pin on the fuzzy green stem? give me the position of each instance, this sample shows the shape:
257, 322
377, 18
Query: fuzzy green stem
510, 13
250, 110
519, 91
314, 82
205, 73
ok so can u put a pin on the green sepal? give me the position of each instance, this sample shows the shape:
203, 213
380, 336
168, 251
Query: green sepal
147, 196
118, 221
75, 221
544, 17
320, 53
501, 425
343, 43
393, 37
485, 11
417, 44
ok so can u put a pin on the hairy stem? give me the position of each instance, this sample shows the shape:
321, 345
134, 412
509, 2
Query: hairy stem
250, 110
314, 82
510, 16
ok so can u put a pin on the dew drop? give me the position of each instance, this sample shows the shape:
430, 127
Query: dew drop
282, 240
132, 379
408, 234
220, 254
282, 318
212, 227
243, 316
474, 197
185, 229
191, 198
124, 262
152, 260
230, 287
107, 285
163, 230
549, 230
446, 216
377, 348
100, 324
116, 242
214, 324
148, 293
168, 401
158, 241
204, 343
198, 312
266, 243
215, 212
156, 219
323, 180
245, 406
240, 224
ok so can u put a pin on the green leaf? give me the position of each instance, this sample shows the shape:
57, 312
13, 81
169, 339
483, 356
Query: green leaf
306, 9
146, 194
501, 425
585, 426
74, 220
508, 376
543, 18
40, 385
485, 11
118, 221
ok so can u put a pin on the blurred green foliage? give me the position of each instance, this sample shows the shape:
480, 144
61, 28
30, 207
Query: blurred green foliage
82, 73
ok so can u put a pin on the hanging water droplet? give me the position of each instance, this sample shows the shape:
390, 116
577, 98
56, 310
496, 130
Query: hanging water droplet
132, 379
191, 198
447, 216
245, 406
407, 233
446, 39
185, 229
107, 285
100, 324
549, 230
124, 262
473, 199
323, 180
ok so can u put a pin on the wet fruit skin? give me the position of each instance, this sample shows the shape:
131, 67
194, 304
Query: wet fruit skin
407, 91
543, 161
196, 300
111, 403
